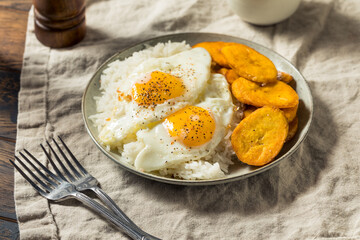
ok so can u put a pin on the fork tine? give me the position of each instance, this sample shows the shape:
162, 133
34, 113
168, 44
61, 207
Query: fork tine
33, 166
67, 160
53, 164
42, 192
73, 157
42, 166
70, 176
33, 175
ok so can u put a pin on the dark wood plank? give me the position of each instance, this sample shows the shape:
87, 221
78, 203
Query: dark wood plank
9, 86
13, 25
8, 230
23, 5
7, 205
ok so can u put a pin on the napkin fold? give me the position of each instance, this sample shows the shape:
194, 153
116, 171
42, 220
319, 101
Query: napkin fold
314, 194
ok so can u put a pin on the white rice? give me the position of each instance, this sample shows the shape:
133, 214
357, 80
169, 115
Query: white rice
117, 71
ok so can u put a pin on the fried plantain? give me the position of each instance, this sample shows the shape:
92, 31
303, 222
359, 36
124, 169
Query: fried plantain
290, 113
293, 127
259, 137
284, 77
249, 63
231, 76
214, 49
277, 94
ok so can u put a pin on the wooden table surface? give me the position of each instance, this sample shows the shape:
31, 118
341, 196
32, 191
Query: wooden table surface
13, 22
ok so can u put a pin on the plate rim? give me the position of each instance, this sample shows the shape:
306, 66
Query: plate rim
174, 181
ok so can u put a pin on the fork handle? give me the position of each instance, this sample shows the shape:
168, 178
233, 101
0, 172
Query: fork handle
112, 205
106, 199
124, 226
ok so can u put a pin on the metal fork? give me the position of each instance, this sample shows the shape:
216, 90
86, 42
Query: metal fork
82, 179
57, 188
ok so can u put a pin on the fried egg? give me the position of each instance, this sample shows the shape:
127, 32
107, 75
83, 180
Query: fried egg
189, 134
155, 89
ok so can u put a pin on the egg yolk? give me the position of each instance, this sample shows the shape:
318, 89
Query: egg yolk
192, 126
160, 88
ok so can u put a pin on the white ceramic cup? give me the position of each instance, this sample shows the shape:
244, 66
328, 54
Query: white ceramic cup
264, 12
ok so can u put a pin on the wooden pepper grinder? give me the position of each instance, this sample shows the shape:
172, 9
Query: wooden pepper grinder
59, 23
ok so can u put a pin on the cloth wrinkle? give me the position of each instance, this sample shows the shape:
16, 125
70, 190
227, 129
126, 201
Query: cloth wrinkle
306, 46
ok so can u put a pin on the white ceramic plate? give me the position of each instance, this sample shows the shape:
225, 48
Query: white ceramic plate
238, 170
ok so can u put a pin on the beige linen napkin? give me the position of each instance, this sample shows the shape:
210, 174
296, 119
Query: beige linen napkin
313, 195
